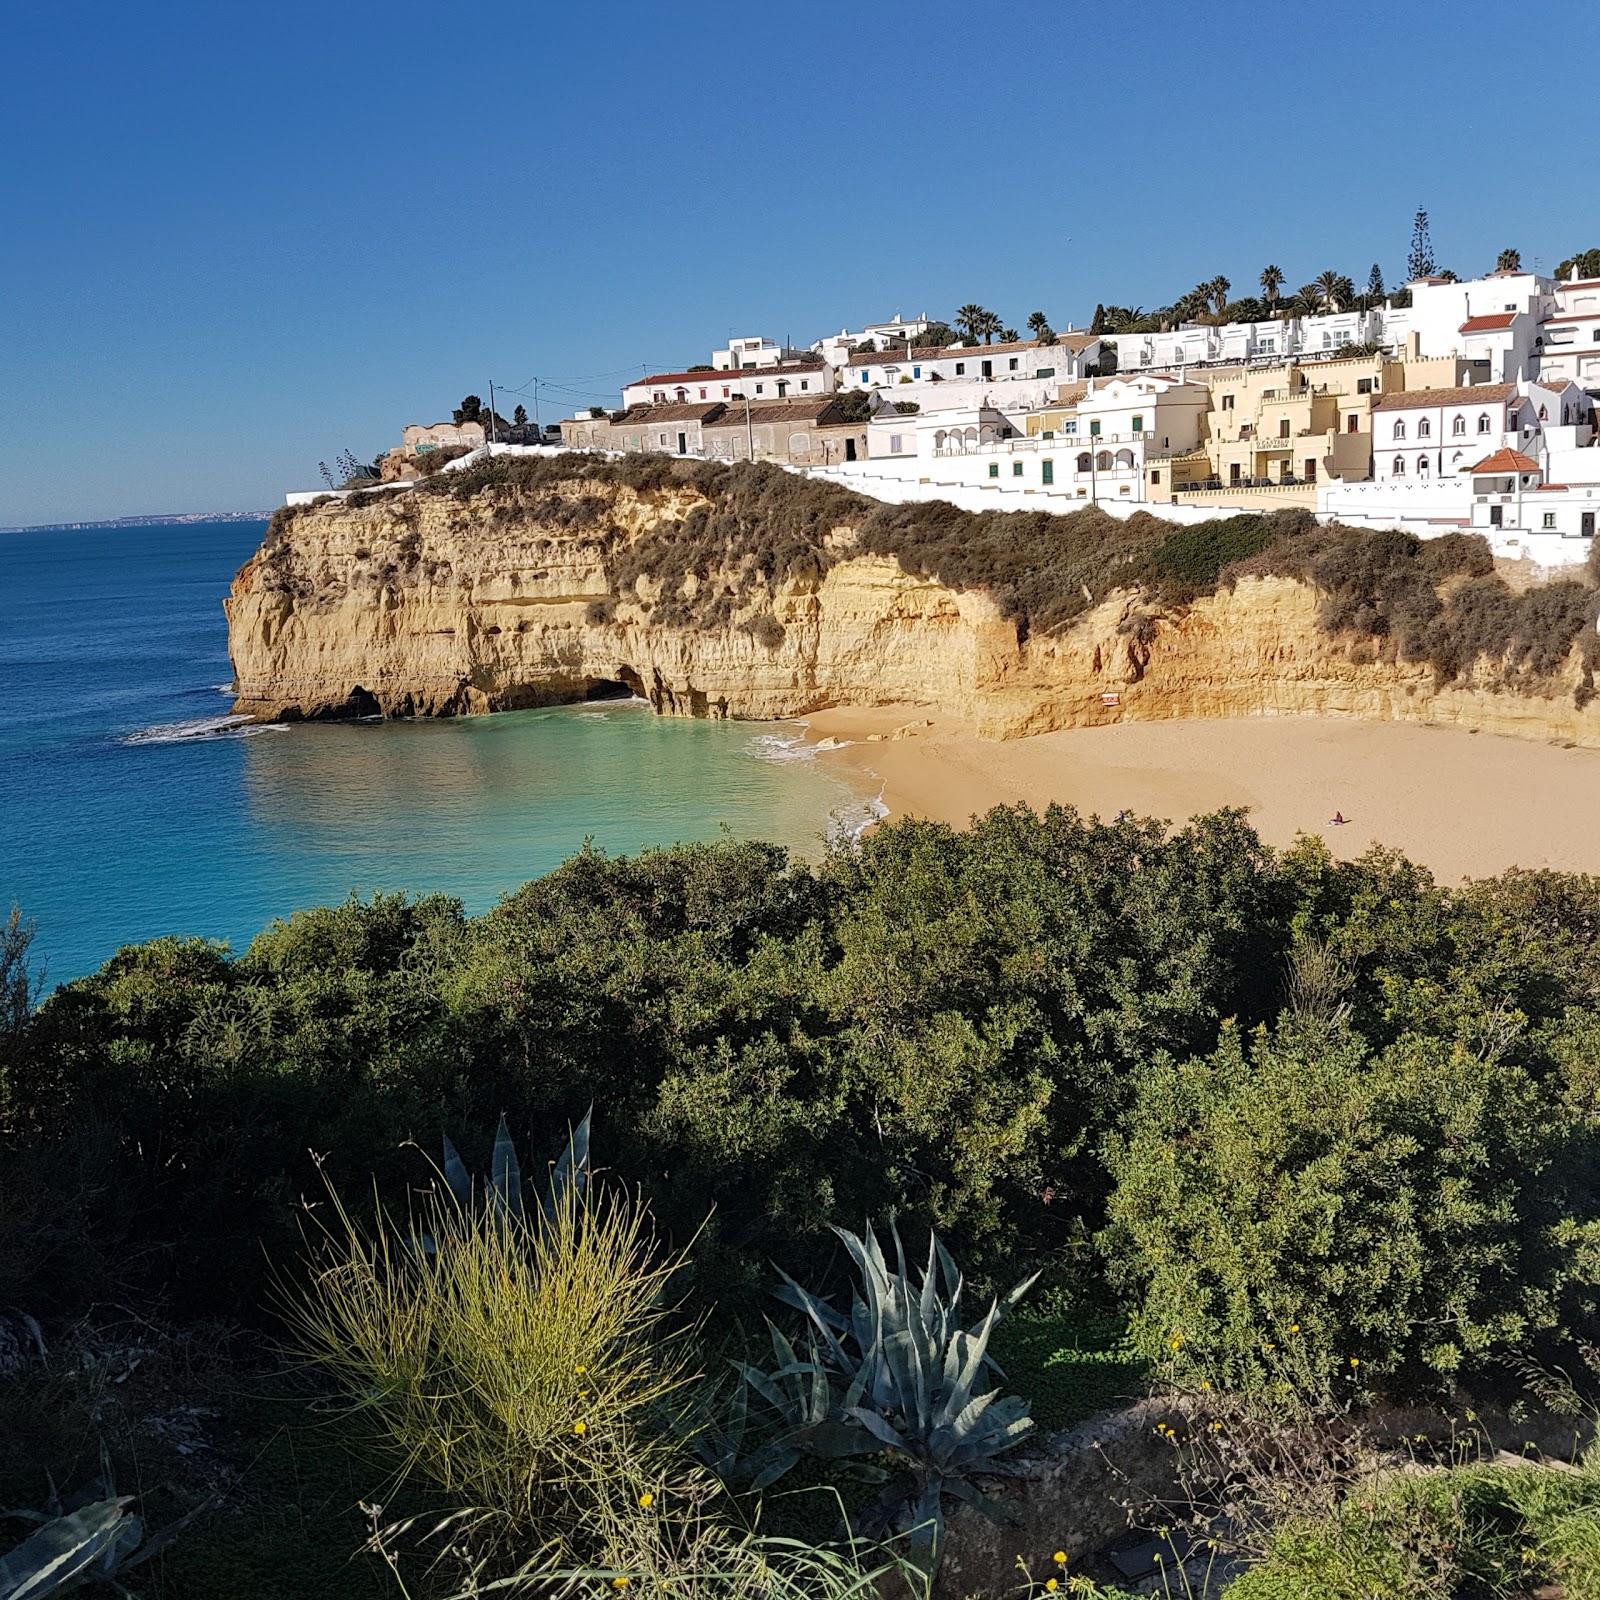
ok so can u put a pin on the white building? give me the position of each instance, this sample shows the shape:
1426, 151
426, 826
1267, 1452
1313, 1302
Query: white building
1021, 360
789, 381
1245, 343
1440, 306
1420, 434
742, 355
835, 348
1569, 338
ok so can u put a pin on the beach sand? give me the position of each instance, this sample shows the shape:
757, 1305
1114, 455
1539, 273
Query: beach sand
1463, 804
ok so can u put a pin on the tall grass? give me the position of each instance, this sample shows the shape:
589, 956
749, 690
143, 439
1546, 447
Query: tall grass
528, 1369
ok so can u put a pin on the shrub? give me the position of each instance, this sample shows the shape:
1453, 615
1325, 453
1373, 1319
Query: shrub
523, 1365
1395, 1216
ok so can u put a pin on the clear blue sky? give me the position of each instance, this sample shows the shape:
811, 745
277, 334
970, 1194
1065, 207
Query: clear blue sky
235, 240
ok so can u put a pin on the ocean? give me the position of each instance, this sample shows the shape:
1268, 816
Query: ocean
132, 805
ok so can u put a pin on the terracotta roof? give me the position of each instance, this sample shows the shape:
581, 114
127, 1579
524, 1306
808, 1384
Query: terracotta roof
1419, 399
721, 376
1543, 487
1069, 393
1074, 341
647, 415
804, 410
1505, 461
1489, 324
897, 357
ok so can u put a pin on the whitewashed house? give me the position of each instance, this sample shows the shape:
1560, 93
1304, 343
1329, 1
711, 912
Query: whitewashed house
835, 348
786, 382
1422, 434
743, 354
1569, 338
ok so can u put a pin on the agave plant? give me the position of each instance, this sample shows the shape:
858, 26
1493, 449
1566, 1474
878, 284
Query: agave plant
503, 1189
897, 1377
98, 1541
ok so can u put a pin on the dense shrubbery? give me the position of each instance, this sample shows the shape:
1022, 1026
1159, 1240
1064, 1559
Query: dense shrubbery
951, 1026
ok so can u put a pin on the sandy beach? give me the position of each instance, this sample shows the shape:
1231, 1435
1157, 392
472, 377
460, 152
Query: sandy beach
1464, 804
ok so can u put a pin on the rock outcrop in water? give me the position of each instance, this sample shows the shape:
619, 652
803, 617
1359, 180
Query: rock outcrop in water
439, 604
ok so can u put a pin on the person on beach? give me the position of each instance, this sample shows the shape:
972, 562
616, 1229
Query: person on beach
1337, 820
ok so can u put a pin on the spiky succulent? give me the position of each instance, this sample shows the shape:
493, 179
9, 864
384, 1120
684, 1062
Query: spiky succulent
897, 1376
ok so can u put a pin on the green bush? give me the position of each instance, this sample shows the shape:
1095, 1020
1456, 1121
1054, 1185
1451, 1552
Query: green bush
1387, 1217
1475, 1531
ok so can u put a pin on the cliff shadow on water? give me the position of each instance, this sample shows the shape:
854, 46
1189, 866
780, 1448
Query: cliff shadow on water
749, 591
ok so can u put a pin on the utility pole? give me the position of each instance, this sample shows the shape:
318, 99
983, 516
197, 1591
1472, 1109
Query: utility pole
492, 438
749, 432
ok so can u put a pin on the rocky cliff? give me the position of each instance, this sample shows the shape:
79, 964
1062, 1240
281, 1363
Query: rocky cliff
436, 604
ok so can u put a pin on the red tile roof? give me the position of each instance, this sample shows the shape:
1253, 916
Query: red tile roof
1505, 461
1489, 324
730, 375
1426, 399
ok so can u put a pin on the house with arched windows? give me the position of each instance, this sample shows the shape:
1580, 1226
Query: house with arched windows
1423, 434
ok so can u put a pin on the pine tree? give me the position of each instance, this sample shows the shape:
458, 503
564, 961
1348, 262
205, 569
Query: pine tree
1375, 282
1419, 263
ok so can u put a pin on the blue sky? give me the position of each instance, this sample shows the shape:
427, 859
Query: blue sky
237, 240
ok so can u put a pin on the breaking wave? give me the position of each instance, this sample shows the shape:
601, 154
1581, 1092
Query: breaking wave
231, 727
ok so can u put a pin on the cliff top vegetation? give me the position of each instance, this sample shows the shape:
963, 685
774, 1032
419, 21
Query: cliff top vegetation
758, 529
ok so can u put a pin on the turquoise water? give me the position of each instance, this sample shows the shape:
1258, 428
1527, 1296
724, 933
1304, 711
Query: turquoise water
130, 808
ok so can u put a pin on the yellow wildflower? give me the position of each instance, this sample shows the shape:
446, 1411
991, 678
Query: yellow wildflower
1060, 1558
647, 1500
580, 1428
1051, 1585
580, 1370
619, 1583
1355, 1361
1294, 1327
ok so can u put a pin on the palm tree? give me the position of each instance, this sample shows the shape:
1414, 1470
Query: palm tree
1217, 290
1010, 336
970, 319
1039, 327
991, 326
1308, 300
1271, 284
1330, 289
1508, 261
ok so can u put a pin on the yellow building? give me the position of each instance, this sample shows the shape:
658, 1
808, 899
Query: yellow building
1276, 433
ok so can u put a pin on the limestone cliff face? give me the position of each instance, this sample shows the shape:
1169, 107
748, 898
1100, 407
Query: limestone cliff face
426, 605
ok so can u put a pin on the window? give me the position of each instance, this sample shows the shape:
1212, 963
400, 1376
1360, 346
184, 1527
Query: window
994, 469
1399, 466
1155, 477
1070, 426
1268, 346
1085, 462
1016, 469
1138, 424
1227, 402
1011, 365
1459, 426
1283, 427
1094, 429
1353, 423
702, 394
1549, 519
1422, 466
1399, 430
1483, 422
1045, 372
758, 388
1424, 429
916, 372
683, 395
805, 383
1363, 385
1047, 471
961, 368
